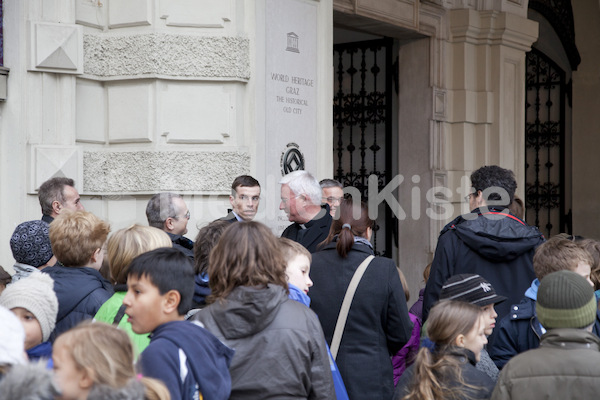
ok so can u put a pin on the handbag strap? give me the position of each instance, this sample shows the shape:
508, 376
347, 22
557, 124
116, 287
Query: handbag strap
343, 315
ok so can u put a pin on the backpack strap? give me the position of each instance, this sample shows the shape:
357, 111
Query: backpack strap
119, 315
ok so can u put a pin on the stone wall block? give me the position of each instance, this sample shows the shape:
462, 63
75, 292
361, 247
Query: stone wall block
180, 56
145, 172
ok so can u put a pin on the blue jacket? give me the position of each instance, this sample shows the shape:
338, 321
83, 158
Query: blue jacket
520, 330
201, 290
206, 358
80, 291
338, 382
42, 351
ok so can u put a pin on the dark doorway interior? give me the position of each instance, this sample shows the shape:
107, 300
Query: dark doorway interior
362, 117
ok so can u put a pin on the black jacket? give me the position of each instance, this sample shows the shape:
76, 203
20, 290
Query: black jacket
495, 245
378, 324
470, 374
183, 244
316, 230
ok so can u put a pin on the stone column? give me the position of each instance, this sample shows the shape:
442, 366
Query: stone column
485, 82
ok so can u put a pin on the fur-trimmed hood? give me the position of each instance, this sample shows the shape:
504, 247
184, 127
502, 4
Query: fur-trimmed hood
31, 381
133, 391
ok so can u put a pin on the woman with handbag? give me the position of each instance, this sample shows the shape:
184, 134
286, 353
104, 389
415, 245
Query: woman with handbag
373, 322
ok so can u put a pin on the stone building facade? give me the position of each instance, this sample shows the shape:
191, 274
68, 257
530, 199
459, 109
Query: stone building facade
134, 97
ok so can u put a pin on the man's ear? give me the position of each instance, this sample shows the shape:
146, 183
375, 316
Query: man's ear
171, 301
56, 207
231, 198
169, 224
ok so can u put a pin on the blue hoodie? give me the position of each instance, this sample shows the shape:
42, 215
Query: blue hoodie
338, 382
205, 358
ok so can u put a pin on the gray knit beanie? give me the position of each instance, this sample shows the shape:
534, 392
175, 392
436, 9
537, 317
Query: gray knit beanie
565, 300
30, 243
34, 293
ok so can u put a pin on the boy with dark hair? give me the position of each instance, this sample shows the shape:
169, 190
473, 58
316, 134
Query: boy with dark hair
521, 330
565, 366
191, 362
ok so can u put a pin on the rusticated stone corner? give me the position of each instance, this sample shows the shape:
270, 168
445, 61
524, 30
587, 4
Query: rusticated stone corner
162, 54
131, 172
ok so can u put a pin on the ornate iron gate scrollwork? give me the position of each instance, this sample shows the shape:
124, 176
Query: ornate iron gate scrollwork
545, 144
362, 112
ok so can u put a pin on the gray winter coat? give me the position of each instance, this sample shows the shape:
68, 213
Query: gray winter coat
279, 345
565, 366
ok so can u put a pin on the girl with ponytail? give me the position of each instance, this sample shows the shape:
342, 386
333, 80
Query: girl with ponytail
377, 324
447, 371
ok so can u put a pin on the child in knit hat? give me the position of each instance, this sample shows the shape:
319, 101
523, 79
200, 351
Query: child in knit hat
33, 301
30, 245
565, 366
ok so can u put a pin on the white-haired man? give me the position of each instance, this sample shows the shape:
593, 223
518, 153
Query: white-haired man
301, 201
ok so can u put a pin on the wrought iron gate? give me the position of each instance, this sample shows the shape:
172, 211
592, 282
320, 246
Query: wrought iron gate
362, 118
545, 144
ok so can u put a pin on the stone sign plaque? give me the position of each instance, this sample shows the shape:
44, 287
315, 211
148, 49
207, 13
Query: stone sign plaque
291, 93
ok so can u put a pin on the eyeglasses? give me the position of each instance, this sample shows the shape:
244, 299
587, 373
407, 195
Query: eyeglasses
187, 215
468, 197
255, 199
334, 200
285, 201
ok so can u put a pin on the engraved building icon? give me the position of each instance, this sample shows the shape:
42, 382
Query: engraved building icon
292, 42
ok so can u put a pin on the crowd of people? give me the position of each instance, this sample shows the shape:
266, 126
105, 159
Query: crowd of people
147, 313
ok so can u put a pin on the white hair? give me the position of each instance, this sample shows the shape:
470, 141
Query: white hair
302, 182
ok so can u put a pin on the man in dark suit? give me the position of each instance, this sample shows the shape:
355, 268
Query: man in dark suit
244, 199
301, 201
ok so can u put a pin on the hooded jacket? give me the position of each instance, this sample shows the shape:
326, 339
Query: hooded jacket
490, 243
520, 330
279, 345
565, 366
206, 360
81, 291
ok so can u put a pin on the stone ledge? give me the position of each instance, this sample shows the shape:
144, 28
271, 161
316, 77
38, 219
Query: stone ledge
169, 55
140, 172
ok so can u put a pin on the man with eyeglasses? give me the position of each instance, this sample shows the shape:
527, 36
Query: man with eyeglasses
301, 201
488, 241
333, 193
167, 211
244, 199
